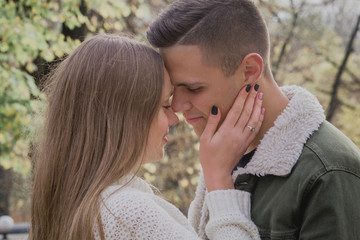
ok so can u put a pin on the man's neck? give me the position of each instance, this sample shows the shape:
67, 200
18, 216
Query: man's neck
274, 102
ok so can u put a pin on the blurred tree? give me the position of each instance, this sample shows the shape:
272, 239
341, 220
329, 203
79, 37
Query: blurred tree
309, 39
310, 52
34, 34
334, 102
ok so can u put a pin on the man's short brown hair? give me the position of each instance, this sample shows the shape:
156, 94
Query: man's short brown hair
225, 30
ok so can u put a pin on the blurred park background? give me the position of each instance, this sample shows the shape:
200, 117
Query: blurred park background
315, 44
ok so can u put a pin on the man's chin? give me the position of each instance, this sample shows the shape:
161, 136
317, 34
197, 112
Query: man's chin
198, 126
198, 130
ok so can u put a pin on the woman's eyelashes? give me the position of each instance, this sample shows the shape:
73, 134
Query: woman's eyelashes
167, 103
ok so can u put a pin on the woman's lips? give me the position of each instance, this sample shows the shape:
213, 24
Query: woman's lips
192, 120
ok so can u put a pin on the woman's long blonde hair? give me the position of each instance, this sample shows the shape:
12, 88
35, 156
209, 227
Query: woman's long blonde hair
101, 101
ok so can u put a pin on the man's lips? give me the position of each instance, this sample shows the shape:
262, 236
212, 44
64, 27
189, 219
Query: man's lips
192, 120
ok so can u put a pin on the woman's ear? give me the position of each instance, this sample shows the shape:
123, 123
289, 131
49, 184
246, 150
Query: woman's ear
252, 66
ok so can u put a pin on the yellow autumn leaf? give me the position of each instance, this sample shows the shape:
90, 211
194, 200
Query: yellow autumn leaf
6, 164
118, 26
31, 67
2, 137
184, 183
190, 170
47, 55
105, 11
9, 126
150, 167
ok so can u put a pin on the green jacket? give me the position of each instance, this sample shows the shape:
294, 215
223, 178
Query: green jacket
319, 199
304, 178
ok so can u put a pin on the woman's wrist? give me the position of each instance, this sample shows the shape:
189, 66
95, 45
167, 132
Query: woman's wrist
218, 183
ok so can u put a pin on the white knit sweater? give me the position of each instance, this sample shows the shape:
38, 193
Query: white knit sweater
130, 210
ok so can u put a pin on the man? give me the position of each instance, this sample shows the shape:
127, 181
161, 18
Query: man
303, 173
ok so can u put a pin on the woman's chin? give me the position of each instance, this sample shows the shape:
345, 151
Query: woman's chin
155, 156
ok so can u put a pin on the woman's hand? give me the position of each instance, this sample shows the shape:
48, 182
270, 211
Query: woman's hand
220, 150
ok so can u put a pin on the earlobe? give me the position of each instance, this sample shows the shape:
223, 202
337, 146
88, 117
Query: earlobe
253, 67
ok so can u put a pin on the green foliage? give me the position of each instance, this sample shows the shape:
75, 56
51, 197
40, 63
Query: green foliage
34, 33
27, 33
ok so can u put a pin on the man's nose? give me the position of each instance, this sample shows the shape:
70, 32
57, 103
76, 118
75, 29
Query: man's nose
180, 101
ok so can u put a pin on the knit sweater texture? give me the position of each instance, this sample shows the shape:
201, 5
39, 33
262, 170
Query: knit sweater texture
130, 210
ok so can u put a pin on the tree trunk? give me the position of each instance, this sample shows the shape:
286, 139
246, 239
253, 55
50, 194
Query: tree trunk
288, 38
334, 102
5, 189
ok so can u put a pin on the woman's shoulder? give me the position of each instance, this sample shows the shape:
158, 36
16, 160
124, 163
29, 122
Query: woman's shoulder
124, 209
136, 197
134, 209
129, 189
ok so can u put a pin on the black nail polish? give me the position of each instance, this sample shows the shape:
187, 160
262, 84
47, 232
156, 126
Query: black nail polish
256, 87
248, 87
214, 110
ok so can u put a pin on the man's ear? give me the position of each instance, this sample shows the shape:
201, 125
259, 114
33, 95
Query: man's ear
252, 66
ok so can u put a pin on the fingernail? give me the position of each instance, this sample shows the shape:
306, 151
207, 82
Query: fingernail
256, 87
214, 110
260, 96
248, 87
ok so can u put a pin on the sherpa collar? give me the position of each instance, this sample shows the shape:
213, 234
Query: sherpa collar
278, 151
282, 145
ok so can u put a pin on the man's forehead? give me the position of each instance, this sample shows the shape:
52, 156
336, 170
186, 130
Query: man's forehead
185, 65
181, 52
182, 78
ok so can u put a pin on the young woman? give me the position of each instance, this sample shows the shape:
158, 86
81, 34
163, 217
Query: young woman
108, 113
